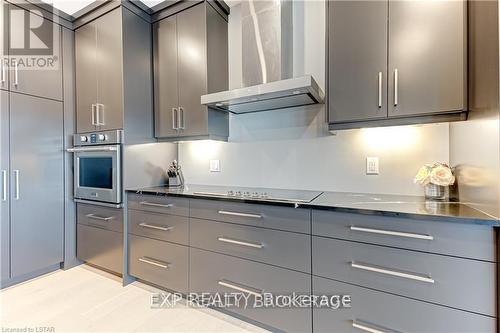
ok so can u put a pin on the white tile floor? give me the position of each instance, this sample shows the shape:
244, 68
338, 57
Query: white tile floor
84, 299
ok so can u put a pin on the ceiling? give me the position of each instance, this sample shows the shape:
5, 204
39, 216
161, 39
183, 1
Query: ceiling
71, 7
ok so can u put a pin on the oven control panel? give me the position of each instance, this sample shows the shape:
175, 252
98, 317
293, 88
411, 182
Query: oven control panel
99, 138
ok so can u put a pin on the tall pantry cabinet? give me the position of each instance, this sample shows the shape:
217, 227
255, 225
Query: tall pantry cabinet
31, 170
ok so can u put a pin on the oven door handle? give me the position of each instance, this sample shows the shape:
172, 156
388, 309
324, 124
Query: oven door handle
86, 149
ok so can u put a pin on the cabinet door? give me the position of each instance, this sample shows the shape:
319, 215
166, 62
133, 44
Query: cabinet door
165, 77
37, 191
357, 62
4, 192
110, 71
191, 31
37, 67
86, 77
4, 73
427, 57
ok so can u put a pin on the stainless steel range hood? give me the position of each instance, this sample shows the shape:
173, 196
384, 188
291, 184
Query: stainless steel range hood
267, 63
268, 96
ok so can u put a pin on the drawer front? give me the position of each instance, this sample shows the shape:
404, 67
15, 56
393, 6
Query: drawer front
172, 228
102, 217
160, 263
455, 282
159, 204
280, 248
274, 217
100, 247
456, 239
383, 312
208, 270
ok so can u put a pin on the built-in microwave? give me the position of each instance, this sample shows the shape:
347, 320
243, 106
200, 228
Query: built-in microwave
97, 167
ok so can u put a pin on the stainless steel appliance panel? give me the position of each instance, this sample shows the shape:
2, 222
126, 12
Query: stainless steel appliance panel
37, 189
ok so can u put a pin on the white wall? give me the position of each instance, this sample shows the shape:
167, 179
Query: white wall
293, 149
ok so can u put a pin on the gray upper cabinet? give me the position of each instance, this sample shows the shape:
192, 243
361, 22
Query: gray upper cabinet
99, 83
357, 67
37, 69
427, 57
4, 73
189, 48
396, 62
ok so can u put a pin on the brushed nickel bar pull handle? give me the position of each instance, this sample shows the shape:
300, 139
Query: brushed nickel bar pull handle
379, 89
157, 227
234, 286
365, 328
152, 204
239, 242
16, 184
175, 118
181, 119
16, 73
93, 114
154, 262
392, 233
99, 218
225, 212
396, 87
3, 71
100, 107
385, 271
4, 185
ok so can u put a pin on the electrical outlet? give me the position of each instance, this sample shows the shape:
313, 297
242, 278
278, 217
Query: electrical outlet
214, 165
372, 166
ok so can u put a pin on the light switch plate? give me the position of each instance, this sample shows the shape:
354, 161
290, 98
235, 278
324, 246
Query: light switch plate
372, 166
214, 165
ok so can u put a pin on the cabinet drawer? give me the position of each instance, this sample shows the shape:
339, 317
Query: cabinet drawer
170, 228
274, 217
100, 247
455, 282
382, 312
159, 204
99, 216
456, 239
208, 270
280, 248
160, 263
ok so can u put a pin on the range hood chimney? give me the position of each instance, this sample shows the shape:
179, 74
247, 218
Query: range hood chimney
267, 63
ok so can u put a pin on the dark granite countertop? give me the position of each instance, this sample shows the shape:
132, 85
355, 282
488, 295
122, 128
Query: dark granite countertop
379, 204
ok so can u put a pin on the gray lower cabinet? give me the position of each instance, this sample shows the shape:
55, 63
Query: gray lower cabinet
190, 60
279, 248
100, 247
171, 228
459, 283
265, 216
36, 183
159, 204
39, 73
5, 194
374, 311
455, 239
161, 263
217, 273
100, 236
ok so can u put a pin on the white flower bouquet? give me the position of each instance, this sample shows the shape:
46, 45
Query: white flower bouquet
435, 178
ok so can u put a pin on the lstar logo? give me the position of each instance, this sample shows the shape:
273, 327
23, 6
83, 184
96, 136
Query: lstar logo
26, 32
